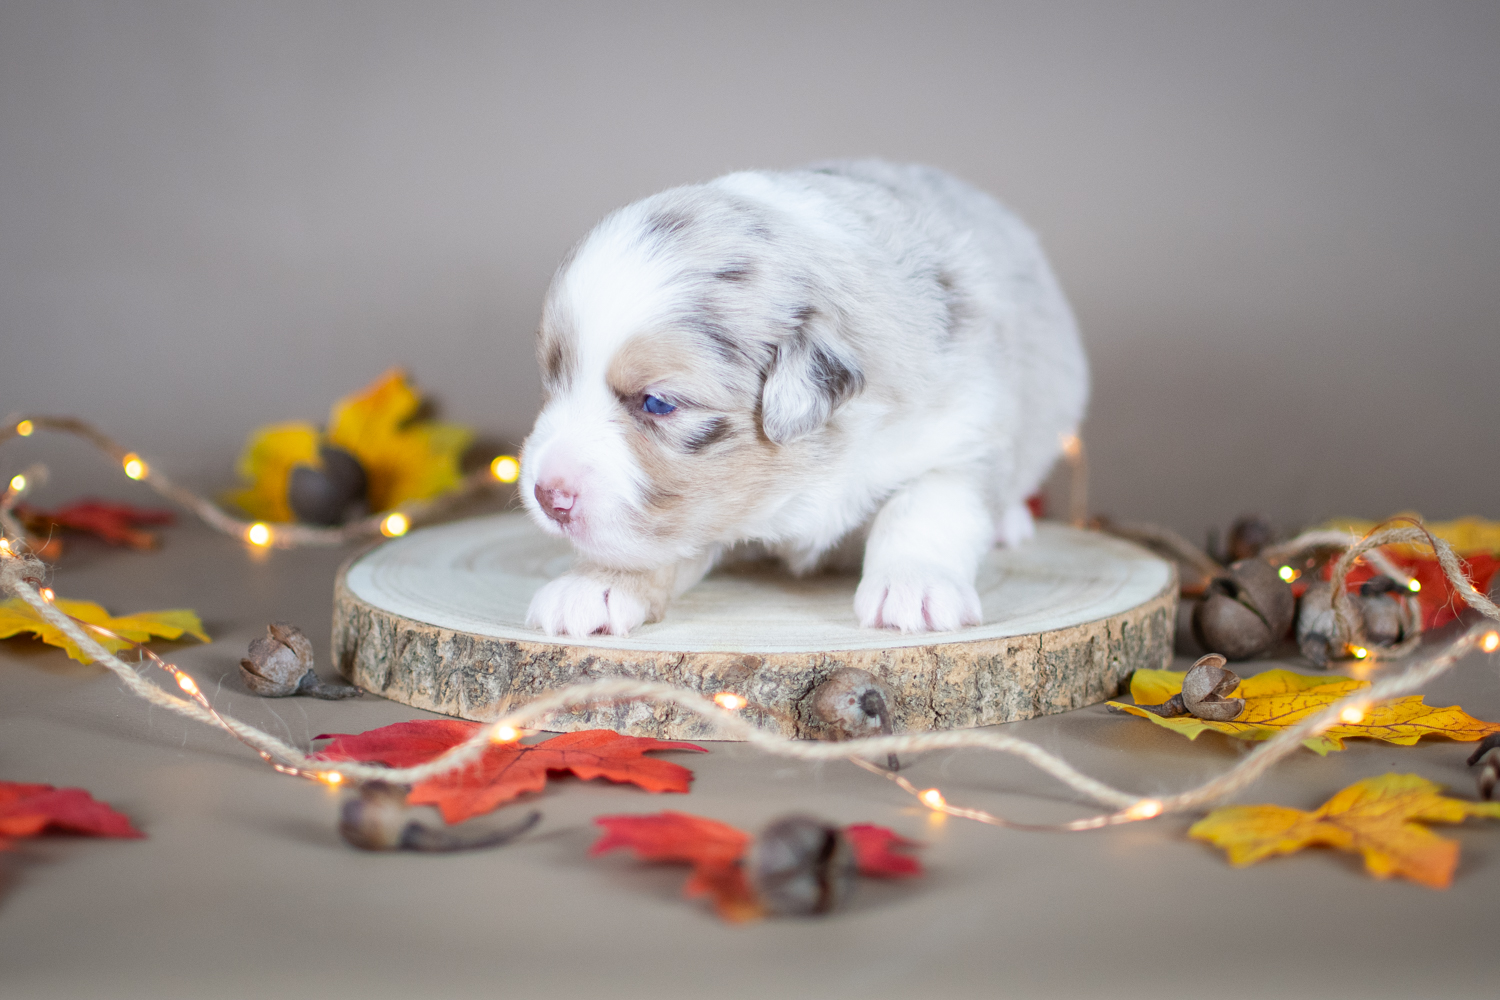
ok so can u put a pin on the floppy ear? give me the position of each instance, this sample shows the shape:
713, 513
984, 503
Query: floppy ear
811, 375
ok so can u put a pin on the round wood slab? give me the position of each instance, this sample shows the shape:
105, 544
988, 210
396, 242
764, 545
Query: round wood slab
437, 620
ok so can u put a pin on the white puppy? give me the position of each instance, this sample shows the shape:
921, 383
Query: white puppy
856, 353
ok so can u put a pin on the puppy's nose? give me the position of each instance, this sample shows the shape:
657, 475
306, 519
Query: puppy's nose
556, 501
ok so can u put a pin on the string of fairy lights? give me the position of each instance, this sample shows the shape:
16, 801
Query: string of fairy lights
501, 470
21, 574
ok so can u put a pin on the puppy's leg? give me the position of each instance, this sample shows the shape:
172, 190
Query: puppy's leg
593, 598
924, 550
1016, 526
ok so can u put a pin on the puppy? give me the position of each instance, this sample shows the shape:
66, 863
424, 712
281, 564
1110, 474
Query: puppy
857, 355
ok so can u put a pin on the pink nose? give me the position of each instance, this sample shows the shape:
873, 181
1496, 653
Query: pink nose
556, 501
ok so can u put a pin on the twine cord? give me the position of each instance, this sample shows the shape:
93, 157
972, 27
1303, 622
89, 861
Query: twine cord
21, 575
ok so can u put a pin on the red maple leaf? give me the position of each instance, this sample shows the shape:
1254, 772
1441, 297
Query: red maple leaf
713, 849
506, 770
874, 855
116, 523
27, 810
716, 849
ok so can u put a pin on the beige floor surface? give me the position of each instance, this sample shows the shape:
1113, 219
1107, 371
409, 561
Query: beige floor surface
243, 889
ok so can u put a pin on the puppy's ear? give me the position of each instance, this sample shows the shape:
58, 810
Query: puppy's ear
811, 375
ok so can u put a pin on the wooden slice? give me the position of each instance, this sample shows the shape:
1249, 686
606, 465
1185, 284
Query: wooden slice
436, 620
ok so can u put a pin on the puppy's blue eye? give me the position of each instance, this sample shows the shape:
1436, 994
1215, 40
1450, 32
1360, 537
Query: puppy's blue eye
655, 404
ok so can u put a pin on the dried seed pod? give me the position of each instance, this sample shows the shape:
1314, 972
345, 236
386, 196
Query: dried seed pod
1245, 611
854, 703
1204, 688
1489, 775
1387, 613
800, 866
1317, 628
1247, 536
280, 664
324, 493
1202, 694
1383, 605
376, 818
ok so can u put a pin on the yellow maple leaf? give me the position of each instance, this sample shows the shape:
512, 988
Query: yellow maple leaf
1378, 817
1278, 699
266, 464
1467, 535
16, 617
404, 457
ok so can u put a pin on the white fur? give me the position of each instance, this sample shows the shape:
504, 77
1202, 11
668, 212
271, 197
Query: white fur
889, 346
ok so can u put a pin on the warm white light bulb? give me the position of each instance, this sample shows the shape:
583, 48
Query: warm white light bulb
1144, 809
17, 483
187, 684
1490, 642
25, 427
395, 525
932, 799
730, 700
1287, 573
258, 533
1414, 585
1352, 716
506, 468
505, 734
134, 467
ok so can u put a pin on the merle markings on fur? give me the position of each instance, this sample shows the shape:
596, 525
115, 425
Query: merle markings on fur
862, 359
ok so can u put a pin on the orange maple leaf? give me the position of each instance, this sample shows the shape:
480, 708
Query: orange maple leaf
29, 809
507, 770
1378, 817
716, 849
1278, 699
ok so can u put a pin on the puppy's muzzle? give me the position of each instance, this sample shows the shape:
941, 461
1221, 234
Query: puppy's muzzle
556, 501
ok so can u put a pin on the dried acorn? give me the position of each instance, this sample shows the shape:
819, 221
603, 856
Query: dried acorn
376, 819
1245, 611
854, 703
327, 492
1489, 775
280, 664
801, 866
1203, 689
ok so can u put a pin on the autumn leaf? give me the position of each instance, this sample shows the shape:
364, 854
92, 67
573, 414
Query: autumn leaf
874, 852
16, 617
403, 456
716, 850
266, 464
507, 770
1379, 817
27, 810
1278, 699
115, 523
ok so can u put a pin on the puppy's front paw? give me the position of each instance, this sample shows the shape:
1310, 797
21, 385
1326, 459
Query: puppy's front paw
918, 599
1016, 526
581, 605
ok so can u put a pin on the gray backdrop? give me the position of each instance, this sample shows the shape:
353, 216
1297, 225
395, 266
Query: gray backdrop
1279, 221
